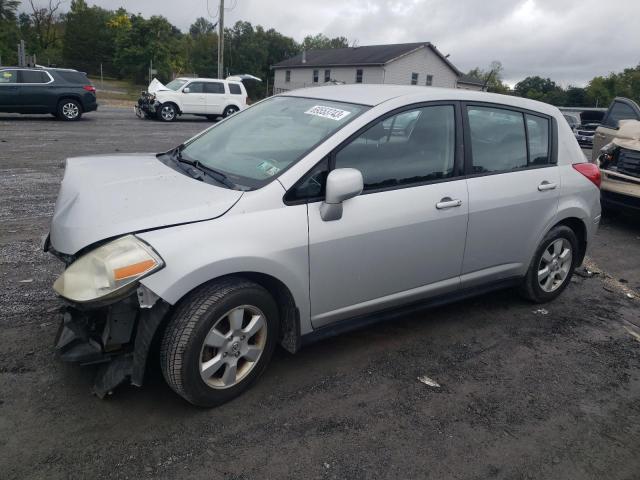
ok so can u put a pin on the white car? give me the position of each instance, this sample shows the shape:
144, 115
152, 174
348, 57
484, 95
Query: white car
209, 97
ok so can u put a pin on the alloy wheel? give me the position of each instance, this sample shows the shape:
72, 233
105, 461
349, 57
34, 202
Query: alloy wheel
555, 265
233, 347
168, 112
70, 110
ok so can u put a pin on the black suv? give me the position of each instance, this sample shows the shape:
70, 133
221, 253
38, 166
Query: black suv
65, 93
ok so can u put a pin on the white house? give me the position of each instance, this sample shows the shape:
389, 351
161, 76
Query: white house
400, 64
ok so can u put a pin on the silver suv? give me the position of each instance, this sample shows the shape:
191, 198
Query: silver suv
309, 214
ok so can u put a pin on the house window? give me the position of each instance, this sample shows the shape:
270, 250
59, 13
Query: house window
429, 81
359, 75
327, 75
315, 76
414, 78
287, 76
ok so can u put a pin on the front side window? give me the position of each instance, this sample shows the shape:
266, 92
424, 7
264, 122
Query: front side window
176, 84
538, 138
327, 75
498, 139
33, 76
414, 78
315, 76
359, 75
196, 87
9, 76
620, 111
287, 76
411, 147
216, 87
254, 146
429, 81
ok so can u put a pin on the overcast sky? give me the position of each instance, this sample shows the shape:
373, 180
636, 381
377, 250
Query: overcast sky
569, 41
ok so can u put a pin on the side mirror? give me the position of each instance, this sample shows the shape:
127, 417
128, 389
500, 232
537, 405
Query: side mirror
185, 90
342, 184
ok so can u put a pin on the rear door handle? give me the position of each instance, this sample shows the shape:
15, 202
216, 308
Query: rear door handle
546, 186
448, 202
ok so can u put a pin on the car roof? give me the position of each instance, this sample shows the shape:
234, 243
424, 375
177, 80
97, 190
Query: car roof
374, 94
206, 79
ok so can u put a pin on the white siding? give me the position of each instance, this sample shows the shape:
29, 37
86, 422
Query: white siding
423, 62
303, 77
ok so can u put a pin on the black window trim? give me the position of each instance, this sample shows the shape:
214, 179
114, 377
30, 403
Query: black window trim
468, 154
458, 159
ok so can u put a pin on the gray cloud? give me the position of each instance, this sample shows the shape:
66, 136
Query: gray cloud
568, 40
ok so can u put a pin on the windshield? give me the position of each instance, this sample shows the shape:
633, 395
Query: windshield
176, 84
252, 147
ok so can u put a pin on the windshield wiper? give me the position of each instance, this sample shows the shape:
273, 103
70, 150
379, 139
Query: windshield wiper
212, 172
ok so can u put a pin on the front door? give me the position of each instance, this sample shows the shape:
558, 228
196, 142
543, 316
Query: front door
620, 109
9, 89
402, 239
513, 191
195, 100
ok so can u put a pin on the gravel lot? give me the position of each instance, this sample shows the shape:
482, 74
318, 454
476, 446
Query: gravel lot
525, 393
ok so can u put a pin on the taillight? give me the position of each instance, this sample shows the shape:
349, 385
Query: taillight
589, 170
90, 88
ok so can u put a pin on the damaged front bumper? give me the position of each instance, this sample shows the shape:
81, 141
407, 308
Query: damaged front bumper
147, 106
118, 336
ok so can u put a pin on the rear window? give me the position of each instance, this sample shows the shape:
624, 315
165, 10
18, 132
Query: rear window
33, 76
8, 76
234, 88
73, 77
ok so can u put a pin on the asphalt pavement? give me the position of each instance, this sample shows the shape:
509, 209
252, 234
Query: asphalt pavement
525, 391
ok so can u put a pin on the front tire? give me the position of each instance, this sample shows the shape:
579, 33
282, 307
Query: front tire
167, 112
552, 265
69, 110
230, 110
219, 341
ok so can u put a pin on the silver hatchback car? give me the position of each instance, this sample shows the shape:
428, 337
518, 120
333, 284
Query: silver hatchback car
308, 214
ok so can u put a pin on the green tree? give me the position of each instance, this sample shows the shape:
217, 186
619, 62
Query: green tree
9, 32
88, 42
542, 89
321, 42
8, 10
492, 77
200, 27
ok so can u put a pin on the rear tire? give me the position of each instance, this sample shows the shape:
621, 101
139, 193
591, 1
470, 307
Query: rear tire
230, 110
552, 266
69, 110
219, 341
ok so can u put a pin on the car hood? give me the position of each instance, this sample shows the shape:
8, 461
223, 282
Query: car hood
157, 86
107, 196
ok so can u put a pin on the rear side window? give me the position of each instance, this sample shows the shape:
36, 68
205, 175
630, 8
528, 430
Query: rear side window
73, 77
411, 147
33, 76
498, 139
214, 87
9, 76
235, 89
620, 111
538, 137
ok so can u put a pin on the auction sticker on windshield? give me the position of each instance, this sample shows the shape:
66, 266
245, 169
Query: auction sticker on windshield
327, 112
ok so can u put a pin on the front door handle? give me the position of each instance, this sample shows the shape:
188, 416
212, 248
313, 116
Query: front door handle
546, 186
448, 202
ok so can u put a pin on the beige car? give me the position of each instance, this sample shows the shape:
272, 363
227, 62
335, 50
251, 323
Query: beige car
619, 162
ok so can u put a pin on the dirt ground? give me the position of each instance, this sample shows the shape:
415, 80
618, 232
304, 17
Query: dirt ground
526, 392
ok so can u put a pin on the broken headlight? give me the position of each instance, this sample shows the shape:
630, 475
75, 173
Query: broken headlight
108, 271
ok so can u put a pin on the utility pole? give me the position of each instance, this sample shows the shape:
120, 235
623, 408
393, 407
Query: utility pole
221, 40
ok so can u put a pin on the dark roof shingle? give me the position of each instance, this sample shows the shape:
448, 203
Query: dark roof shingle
365, 55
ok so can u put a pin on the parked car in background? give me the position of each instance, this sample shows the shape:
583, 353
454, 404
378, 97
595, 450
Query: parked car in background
572, 119
64, 93
589, 121
620, 109
619, 163
308, 214
211, 98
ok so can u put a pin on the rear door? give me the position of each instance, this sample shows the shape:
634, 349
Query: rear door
195, 100
620, 109
35, 91
513, 184
215, 97
9, 90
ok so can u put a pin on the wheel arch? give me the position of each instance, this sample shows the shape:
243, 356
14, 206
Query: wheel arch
70, 96
580, 229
